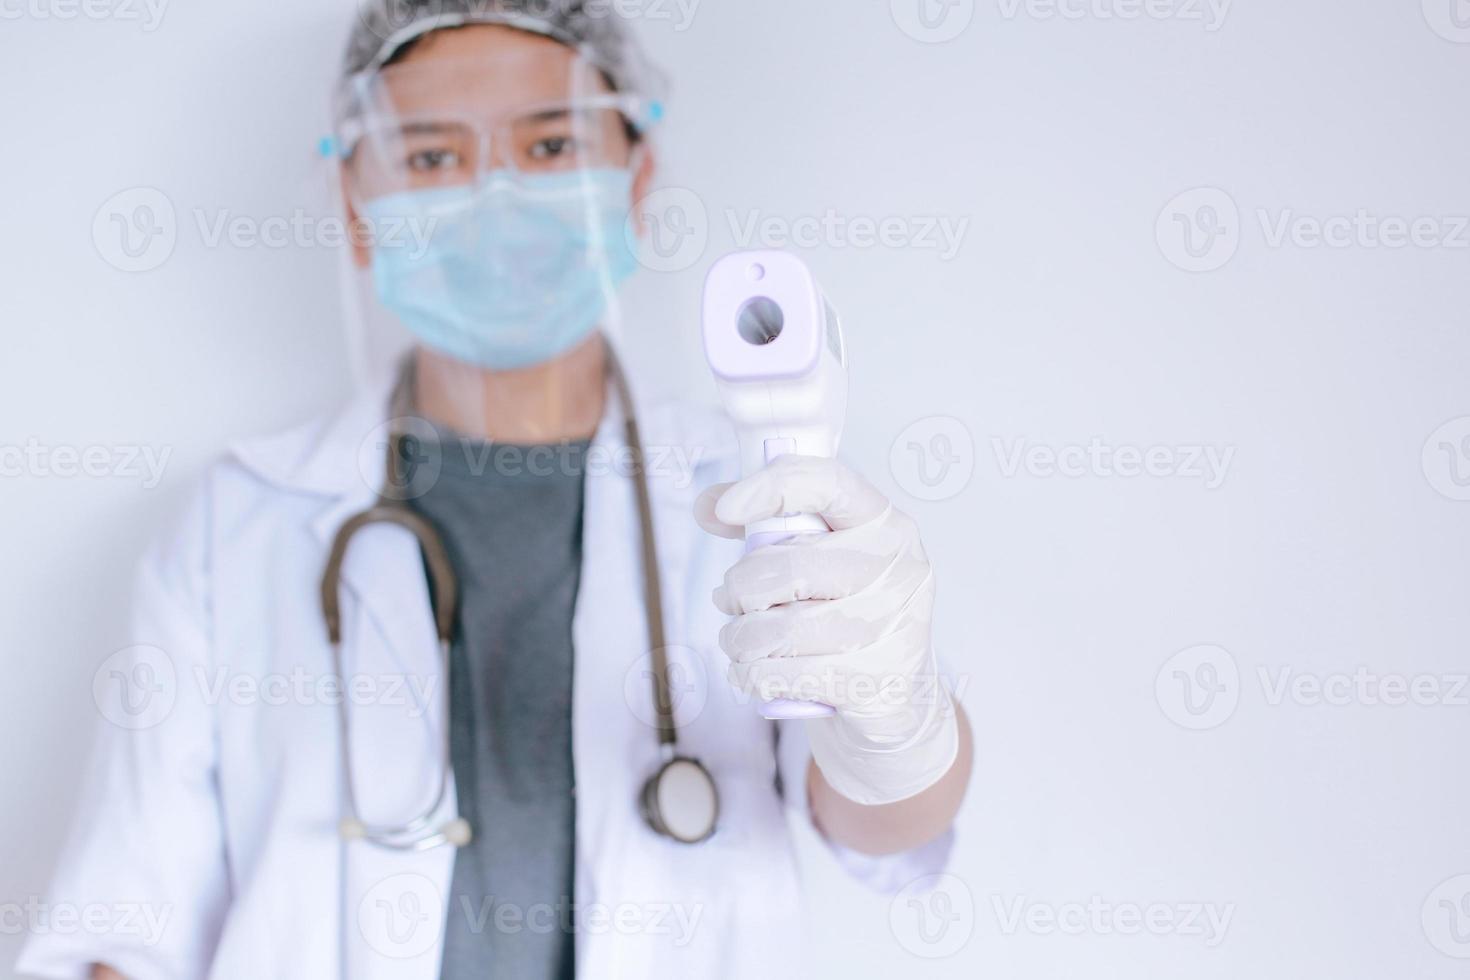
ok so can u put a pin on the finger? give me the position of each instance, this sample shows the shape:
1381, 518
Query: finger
810, 628
818, 566
805, 568
704, 513
880, 676
802, 485
804, 679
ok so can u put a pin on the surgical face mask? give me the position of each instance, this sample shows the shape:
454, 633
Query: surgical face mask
509, 273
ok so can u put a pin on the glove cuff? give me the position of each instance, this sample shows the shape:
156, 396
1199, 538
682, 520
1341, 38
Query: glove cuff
873, 774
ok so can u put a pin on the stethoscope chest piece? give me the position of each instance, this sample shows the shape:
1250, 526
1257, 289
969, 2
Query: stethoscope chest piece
680, 801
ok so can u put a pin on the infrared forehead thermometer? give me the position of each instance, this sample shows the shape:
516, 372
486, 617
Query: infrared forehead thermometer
775, 346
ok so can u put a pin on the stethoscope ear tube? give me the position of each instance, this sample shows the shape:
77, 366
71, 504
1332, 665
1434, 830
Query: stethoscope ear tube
436, 559
648, 553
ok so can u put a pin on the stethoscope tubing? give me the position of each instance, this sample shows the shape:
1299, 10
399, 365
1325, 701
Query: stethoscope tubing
420, 833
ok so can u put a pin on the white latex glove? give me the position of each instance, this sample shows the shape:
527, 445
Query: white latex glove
842, 618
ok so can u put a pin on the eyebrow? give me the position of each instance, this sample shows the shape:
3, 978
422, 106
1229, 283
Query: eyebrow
549, 115
419, 126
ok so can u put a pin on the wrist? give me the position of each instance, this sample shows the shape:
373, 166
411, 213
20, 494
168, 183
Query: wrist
874, 770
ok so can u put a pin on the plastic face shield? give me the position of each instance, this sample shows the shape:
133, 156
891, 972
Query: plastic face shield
413, 133
491, 188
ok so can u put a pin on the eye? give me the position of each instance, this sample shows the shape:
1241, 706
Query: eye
433, 160
552, 147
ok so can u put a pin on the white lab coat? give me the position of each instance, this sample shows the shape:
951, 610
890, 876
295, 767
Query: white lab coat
223, 816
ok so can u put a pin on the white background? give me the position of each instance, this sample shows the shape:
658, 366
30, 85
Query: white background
1330, 545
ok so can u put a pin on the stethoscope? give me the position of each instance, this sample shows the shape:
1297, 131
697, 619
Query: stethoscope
679, 801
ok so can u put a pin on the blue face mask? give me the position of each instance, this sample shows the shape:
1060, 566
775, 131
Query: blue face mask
510, 273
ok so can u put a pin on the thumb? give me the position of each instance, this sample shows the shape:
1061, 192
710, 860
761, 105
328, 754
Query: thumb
704, 513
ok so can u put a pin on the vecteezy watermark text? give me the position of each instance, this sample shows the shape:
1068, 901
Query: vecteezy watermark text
148, 13
1363, 686
1100, 917
1201, 230
387, 18
670, 228
1210, 13
37, 917
404, 915
137, 230
1363, 229
420, 455
300, 229
1209, 464
302, 687
145, 464
1200, 687
943, 234
673, 919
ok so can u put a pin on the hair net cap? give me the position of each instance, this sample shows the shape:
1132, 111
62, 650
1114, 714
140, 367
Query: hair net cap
593, 27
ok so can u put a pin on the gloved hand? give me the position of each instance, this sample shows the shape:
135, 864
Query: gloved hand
842, 618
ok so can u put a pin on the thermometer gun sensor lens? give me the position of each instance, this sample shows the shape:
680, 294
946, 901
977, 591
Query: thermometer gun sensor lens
760, 321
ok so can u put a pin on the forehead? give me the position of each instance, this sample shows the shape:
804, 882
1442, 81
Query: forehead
486, 69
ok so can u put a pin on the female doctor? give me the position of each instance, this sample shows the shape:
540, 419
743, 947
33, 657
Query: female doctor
436, 688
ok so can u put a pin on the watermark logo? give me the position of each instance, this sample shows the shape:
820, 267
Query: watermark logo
688, 686
932, 21
136, 687
1199, 230
1445, 917
1202, 229
299, 229
1450, 19
135, 230
401, 916
1198, 688
933, 459
933, 917
1446, 459
668, 229
401, 458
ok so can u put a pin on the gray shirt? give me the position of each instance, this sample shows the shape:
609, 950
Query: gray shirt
511, 519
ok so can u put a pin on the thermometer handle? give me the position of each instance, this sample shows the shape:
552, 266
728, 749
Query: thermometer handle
786, 709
